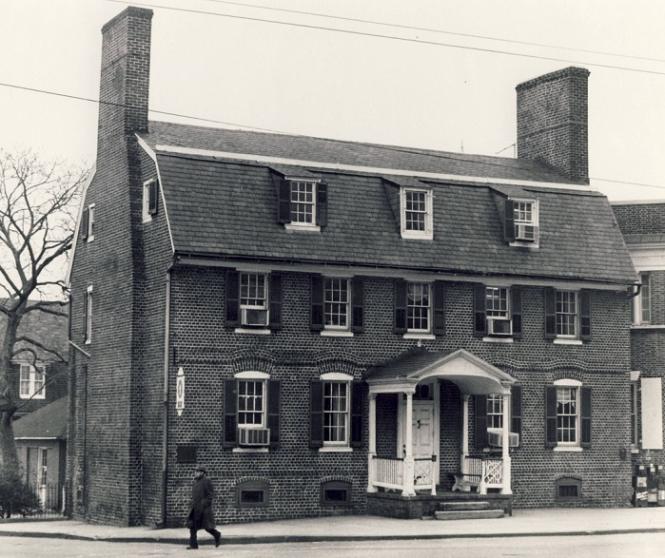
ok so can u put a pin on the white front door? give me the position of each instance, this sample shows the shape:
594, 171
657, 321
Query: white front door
423, 429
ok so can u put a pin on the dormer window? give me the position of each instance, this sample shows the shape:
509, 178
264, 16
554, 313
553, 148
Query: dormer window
416, 210
522, 222
303, 207
150, 199
302, 201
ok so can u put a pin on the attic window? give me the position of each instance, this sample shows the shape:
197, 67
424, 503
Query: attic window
150, 199
302, 202
416, 213
522, 221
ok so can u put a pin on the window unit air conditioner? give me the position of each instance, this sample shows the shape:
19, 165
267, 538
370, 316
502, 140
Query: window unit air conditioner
254, 316
495, 438
499, 326
525, 233
253, 437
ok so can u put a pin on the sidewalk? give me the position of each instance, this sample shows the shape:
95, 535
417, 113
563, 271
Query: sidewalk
540, 522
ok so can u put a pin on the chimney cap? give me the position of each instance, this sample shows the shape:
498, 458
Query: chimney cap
570, 71
130, 11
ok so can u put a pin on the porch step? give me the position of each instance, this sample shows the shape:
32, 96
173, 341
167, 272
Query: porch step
465, 505
469, 514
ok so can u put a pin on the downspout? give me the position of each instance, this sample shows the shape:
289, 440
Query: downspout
165, 394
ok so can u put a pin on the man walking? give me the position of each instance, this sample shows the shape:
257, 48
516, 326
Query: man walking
201, 515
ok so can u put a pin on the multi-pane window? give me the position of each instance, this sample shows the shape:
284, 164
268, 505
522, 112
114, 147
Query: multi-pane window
418, 307
91, 222
525, 219
336, 303
566, 415
253, 299
496, 302
303, 202
335, 413
645, 298
416, 209
566, 313
43, 466
251, 403
494, 411
31, 381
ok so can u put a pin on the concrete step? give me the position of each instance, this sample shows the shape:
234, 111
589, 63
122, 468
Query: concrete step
464, 505
470, 514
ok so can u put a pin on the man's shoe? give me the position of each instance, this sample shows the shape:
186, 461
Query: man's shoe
218, 539
192, 548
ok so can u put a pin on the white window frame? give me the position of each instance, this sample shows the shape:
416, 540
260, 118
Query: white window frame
492, 314
639, 304
336, 378
146, 200
28, 374
494, 409
346, 305
296, 182
88, 315
428, 330
42, 468
576, 335
266, 300
91, 223
426, 234
533, 222
258, 378
577, 386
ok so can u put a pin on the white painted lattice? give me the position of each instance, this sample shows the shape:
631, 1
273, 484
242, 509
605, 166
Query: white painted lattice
493, 472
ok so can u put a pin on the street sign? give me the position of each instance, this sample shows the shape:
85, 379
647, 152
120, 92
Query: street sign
180, 391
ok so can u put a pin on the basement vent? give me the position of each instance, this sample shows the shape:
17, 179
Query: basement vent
568, 489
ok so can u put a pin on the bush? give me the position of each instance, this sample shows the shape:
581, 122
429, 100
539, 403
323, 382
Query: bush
16, 497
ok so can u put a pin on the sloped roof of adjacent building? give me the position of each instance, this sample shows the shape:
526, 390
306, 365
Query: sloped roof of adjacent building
49, 421
223, 207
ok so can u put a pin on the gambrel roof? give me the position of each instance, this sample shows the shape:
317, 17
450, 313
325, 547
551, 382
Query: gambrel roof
222, 202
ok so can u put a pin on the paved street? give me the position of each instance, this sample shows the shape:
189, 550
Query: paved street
607, 546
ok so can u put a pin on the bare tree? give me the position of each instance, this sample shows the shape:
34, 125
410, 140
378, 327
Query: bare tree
37, 204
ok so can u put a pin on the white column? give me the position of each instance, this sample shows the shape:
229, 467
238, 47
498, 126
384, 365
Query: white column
505, 446
409, 464
372, 443
465, 431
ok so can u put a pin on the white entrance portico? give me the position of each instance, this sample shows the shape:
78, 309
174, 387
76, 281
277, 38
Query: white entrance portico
417, 467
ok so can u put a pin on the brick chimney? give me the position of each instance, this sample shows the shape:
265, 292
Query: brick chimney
552, 122
125, 76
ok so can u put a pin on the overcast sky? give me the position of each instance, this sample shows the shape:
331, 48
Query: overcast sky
354, 87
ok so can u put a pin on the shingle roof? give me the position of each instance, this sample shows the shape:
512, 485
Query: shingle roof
49, 421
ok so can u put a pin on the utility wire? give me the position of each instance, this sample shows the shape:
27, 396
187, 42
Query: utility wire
640, 184
434, 30
389, 37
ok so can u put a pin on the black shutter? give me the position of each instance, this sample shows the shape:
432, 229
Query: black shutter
275, 294
86, 296
357, 305
85, 219
550, 416
230, 420
400, 306
585, 315
516, 410
479, 319
550, 312
439, 308
480, 408
585, 397
153, 189
509, 221
516, 310
316, 315
232, 299
322, 204
358, 391
283, 191
316, 414
273, 412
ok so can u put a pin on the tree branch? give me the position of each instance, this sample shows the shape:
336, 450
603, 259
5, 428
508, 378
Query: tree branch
26, 339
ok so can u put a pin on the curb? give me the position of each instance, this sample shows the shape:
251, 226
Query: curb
276, 539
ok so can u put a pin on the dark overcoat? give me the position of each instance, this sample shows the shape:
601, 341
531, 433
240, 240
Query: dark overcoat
201, 515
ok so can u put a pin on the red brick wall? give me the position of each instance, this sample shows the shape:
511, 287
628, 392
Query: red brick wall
640, 218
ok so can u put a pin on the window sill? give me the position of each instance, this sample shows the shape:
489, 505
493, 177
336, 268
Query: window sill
506, 339
250, 450
524, 244
301, 227
146, 219
336, 333
647, 326
87, 342
90, 238
563, 341
335, 449
571, 449
249, 331
423, 336
634, 450
411, 235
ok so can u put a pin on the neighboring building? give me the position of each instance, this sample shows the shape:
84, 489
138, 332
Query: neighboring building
41, 381
41, 442
336, 327
643, 227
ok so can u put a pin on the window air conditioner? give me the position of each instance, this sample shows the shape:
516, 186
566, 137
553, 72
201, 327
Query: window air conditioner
254, 317
499, 326
495, 438
254, 437
525, 233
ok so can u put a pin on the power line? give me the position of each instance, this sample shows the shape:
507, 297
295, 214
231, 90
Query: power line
628, 183
434, 30
389, 37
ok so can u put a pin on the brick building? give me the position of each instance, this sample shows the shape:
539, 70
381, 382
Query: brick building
336, 327
643, 227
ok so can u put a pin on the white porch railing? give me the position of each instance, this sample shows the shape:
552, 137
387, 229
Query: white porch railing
483, 472
388, 472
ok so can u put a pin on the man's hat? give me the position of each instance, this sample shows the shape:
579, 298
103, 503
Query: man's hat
202, 469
